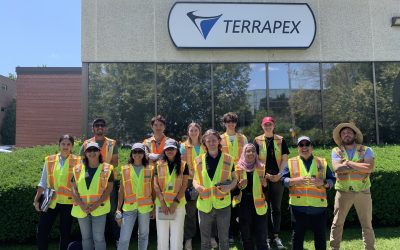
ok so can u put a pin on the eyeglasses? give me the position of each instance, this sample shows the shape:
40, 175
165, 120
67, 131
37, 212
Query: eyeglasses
137, 152
306, 144
99, 125
89, 150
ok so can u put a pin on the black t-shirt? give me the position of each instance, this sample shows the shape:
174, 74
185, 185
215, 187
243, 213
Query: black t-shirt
212, 164
249, 188
271, 164
89, 173
171, 167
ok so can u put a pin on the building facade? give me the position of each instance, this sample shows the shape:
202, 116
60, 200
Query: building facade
133, 68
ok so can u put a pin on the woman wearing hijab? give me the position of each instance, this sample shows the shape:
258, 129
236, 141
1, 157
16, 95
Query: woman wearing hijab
252, 204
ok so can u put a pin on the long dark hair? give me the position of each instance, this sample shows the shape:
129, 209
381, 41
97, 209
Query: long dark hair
145, 161
176, 162
85, 160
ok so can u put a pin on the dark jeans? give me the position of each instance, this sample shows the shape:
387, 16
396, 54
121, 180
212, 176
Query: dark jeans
46, 222
274, 198
251, 223
301, 222
111, 224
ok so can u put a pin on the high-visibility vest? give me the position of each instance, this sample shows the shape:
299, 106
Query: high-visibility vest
307, 195
60, 179
355, 180
106, 151
190, 154
151, 144
97, 187
169, 183
137, 189
258, 196
262, 146
212, 197
233, 149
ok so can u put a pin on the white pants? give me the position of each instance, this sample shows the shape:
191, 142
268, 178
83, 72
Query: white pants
170, 232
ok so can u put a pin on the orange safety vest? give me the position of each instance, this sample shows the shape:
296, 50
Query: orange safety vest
106, 150
307, 195
62, 187
151, 144
139, 192
229, 148
169, 184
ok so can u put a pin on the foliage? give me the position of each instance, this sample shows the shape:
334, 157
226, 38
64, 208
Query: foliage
23, 169
7, 131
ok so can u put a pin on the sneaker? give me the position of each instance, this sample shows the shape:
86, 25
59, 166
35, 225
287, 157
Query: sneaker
278, 243
269, 243
214, 243
188, 244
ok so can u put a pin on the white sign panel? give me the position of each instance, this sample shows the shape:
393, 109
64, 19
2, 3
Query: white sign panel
241, 25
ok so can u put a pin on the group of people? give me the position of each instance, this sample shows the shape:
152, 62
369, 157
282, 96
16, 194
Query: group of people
210, 181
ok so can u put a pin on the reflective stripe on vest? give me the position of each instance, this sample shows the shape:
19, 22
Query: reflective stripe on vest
190, 154
169, 183
97, 187
60, 179
233, 149
355, 180
258, 196
307, 195
151, 144
137, 189
262, 148
212, 196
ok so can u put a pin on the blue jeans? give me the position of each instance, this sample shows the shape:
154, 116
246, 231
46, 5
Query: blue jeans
128, 222
92, 231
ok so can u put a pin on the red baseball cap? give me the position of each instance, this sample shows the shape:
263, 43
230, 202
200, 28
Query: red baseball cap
267, 119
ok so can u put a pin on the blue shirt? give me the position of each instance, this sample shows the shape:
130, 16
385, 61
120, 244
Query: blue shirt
285, 179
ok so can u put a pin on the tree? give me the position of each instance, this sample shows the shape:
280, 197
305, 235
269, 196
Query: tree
7, 131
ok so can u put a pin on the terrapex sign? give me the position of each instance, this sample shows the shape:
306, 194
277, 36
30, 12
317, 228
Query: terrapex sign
241, 25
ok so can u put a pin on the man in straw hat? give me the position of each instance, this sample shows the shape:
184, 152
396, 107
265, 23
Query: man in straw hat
353, 163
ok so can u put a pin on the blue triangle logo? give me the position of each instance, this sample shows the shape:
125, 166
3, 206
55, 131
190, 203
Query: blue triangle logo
203, 24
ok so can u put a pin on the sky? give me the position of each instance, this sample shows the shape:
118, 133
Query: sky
39, 33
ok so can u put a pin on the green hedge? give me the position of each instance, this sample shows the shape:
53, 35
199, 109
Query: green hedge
21, 171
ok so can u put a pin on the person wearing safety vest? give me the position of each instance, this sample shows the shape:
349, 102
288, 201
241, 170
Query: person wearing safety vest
92, 182
251, 201
155, 144
353, 164
232, 143
273, 151
56, 174
214, 178
109, 153
170, 183
308, 177
190, 150
135, 197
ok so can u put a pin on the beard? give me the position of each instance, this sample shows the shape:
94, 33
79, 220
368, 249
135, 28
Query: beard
348, 141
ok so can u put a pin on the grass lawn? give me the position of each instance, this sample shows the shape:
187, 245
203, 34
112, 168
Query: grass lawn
386, 238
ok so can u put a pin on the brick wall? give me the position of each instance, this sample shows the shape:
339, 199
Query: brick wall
48, 105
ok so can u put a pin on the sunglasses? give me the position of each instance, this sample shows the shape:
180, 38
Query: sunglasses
99, 125
137, 151
89, 150
230, 122
306, 144
170, 149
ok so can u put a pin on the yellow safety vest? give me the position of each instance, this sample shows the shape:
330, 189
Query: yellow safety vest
307, 195
106, 151
233, 149
212, 196
356, 180
262, 146
190, 154
97, 187
169, 184
137, 189
60, 179
258, 196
